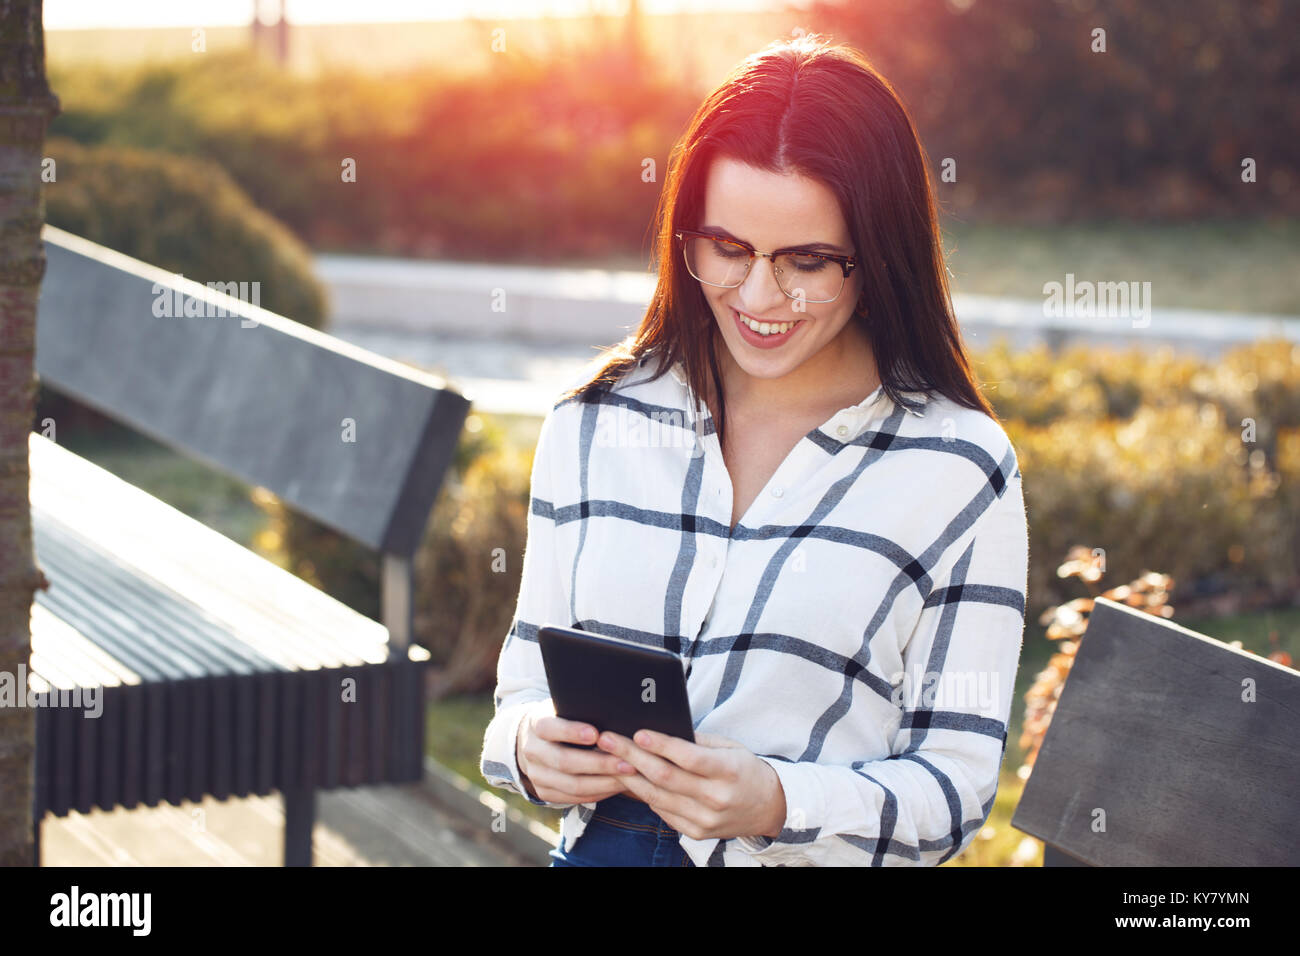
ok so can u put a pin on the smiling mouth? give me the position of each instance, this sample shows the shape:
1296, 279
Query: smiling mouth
765, 328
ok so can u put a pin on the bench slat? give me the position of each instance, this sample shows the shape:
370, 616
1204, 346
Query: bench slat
228, 389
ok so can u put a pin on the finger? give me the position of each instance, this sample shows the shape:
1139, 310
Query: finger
717, 741
697, 758
565, 731
583, 788
674, 786
574, 760
673, 809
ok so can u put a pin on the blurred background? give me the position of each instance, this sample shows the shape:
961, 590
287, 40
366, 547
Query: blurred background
385, 169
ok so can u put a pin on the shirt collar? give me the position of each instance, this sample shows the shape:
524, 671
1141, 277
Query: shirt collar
917, 400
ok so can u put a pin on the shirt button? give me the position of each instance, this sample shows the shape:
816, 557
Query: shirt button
777, 492
842, 430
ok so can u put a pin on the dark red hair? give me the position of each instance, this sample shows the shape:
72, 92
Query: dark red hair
821, 111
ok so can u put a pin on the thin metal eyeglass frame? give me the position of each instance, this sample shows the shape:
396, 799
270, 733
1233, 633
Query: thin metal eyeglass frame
846, 263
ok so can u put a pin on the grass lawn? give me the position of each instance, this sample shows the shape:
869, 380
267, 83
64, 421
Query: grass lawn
1235, 266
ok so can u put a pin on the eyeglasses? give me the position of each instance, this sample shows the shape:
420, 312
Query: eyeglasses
808, 276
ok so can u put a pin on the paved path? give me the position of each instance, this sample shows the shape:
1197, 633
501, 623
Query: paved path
512, 337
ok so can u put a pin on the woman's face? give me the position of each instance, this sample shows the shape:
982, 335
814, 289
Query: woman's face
773, 212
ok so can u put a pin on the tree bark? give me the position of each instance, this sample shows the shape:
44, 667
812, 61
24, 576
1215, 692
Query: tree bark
26, 108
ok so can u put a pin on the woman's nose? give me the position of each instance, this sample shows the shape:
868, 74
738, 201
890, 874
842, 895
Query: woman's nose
761, 287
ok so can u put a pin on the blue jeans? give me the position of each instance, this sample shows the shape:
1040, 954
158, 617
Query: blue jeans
623, 832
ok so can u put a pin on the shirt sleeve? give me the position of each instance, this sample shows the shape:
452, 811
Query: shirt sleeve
924, 803
543, 599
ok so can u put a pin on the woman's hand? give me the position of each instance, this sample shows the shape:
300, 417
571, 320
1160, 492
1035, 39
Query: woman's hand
557, 773
712, 788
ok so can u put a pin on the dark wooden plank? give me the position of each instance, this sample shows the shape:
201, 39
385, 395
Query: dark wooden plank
299, 819
89, 743
41, 763
63, 767
289, 770
266, 765
351, 729
410, 739
232, 396
377, 712
110, 758
196, 761
332, 735
1054, 857
177, 740
313, 711
133, 746
221, 737
1151, 728
154, 722
243, 744
418, 671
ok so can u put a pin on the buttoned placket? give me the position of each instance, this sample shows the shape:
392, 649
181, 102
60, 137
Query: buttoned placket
846, 424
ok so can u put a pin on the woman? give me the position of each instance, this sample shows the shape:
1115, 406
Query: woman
787, 476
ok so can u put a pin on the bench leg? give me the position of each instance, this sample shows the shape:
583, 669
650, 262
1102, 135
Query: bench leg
299, 818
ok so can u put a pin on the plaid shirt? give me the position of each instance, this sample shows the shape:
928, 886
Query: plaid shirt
859, 630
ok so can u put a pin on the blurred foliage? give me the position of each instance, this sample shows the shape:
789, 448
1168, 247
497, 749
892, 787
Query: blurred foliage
538, 158
184, 215
1154, 127
472, 557
541, 157
321, 556
1143, 453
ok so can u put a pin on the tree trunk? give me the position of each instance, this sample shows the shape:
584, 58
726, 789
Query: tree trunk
26, 107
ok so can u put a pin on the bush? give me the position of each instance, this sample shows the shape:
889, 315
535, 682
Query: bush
468, 567
184, 215
1157, 126
1170, 489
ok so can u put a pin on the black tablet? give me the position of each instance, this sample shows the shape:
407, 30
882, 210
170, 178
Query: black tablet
615, 685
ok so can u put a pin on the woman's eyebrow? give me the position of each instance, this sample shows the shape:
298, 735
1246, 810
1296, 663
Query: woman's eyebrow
807, 246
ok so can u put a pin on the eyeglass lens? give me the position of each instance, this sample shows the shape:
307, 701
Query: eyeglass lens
811, 278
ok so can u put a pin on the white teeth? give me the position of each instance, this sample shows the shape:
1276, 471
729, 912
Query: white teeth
767, 328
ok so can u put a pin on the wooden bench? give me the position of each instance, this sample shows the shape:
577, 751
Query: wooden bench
1167, 748
220, 673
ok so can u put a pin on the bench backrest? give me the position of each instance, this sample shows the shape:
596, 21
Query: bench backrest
354, 440
1182, 747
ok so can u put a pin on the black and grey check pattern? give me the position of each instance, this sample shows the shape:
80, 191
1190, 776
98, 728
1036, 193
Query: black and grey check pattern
859, 629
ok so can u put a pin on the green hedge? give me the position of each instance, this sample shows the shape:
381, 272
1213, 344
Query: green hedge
184, 215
